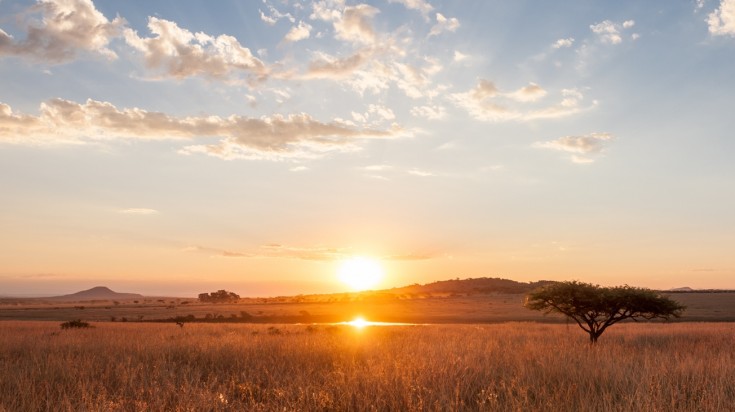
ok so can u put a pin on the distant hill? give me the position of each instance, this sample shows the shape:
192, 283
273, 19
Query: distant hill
97, 293
472, 286
682, 289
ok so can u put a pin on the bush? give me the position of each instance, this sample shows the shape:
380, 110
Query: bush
75, 324
220, 296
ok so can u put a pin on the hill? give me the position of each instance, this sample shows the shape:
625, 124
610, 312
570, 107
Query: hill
472, 286
96, 293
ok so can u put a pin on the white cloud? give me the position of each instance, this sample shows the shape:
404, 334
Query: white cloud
274, 15
383, 112
355, 24
607, 31
421, 5
376, 114
561, 43
530, 93
459, 57
581, 147
66, 28
327, 10
377, 168
299, 32
420, 173
485, 102
272, 137
444, 24
330, 67
610, 32
721, 22
179, 53
428, 112
138, 211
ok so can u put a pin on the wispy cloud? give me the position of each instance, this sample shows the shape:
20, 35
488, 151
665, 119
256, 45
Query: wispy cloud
721, 22
582, 147
420, 5
530, 93
318, 253
66, 29
421, 173
444, 24
269, 137
138, 211
486, 102
272, 16
429, 112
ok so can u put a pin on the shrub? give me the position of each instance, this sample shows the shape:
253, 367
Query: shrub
75, 324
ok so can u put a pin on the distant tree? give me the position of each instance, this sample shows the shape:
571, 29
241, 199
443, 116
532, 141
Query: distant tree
219, 296
75, 324
595, 308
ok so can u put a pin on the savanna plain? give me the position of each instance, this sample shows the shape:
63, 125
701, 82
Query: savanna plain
223, 367
465, 352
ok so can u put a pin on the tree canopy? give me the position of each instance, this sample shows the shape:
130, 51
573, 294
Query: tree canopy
219, 296
595, 308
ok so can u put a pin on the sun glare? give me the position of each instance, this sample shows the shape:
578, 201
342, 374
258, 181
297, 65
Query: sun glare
358, 323
360, 273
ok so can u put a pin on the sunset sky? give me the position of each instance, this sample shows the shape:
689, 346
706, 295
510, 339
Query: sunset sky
170, 147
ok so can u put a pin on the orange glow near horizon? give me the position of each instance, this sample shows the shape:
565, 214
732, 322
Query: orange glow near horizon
360, 273
358, 323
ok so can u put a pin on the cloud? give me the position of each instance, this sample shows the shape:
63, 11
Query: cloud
530, 93
561, 43
274, 15
459, 56
179, 53
428, 112
443, 24
721, 22
318, 253
486, 102
330, 67
300, 32
274, 250
581, 147
420, 5
66, 28
270, 137
610, 32
420, 173
355, 24
377, 168
327, 10
138, 211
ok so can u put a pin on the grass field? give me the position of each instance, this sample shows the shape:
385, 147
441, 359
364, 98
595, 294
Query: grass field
504, 367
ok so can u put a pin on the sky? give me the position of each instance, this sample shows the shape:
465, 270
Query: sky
173, 148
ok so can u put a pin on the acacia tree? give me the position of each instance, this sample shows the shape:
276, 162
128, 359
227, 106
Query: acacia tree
219, 296
595, 308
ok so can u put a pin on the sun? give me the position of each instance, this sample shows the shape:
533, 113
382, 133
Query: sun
360, 273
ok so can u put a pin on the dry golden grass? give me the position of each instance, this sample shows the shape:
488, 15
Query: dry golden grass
513, 367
